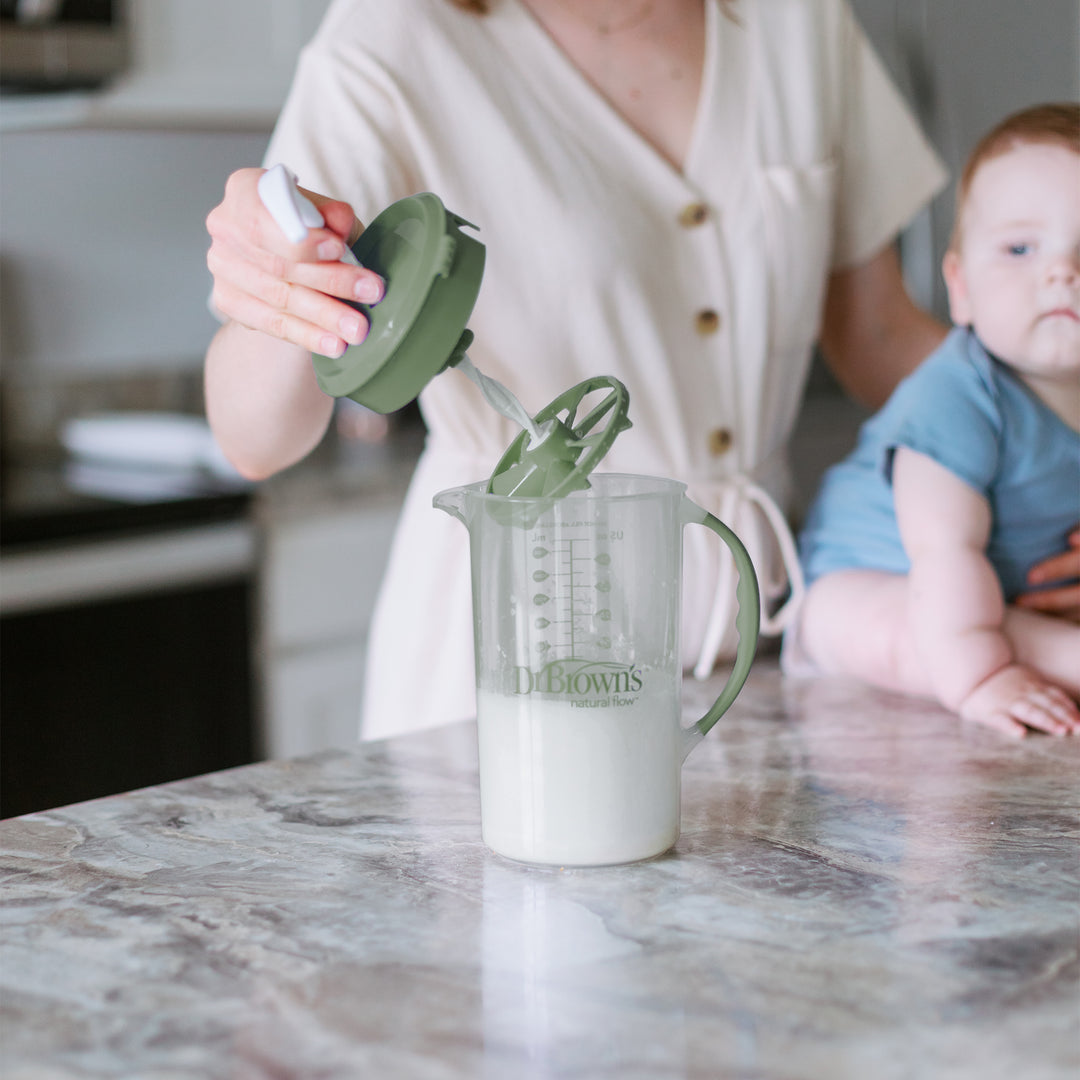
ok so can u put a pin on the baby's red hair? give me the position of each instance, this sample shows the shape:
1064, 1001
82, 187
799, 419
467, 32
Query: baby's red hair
1055, 124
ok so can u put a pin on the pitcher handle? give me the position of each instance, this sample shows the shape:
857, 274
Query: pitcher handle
747, 619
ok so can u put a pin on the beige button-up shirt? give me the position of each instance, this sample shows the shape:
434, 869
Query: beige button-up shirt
701, 290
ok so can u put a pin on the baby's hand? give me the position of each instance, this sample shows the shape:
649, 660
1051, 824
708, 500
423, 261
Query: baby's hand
1017, 698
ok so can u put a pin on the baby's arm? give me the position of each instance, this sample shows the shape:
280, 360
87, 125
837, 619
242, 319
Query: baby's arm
957, 609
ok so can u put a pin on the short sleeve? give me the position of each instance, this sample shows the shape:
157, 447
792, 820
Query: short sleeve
340, 129
887, 169
949, 411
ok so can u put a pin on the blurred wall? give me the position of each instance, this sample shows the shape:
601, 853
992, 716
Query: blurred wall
103, 247
964, 65
102, 237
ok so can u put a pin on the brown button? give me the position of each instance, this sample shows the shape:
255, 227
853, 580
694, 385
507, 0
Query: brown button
720, 441
708, 321
692, 214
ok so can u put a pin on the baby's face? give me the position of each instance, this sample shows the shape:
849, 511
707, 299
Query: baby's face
1017, 278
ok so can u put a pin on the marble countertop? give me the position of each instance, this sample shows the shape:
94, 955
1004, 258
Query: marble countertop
864, 888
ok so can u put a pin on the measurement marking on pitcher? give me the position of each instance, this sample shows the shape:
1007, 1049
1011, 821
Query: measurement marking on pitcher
577, 592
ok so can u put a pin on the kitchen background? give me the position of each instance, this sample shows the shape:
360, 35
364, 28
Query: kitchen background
158, 622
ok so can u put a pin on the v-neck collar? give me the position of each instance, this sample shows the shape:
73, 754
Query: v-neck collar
578, 96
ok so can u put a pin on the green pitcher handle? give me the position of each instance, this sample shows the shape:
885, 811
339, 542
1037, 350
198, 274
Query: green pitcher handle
747, 619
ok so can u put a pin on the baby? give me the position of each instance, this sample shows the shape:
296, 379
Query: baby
920, 540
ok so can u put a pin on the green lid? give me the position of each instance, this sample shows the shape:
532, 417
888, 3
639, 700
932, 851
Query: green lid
432, 272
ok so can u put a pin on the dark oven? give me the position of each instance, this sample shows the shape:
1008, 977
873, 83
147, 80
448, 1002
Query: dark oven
125, 639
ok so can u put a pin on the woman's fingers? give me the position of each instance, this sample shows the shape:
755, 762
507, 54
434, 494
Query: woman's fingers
338, 215
289, 290
290, 311
312, 263
268, 301
336, 279
249, 311
1065, 564
1065, 599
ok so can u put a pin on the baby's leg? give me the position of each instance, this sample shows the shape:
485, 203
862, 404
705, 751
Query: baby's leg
855, 622
1048, 645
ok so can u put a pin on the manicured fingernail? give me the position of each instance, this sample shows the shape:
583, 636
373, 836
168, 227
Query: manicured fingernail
368, 289
350, 328
330, 250
332, 346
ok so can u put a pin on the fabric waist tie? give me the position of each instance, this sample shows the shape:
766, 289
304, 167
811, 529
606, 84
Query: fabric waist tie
735, 501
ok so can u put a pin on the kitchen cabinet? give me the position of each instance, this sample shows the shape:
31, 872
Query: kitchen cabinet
105, 695
321, 573
125, 634
314, 698
193, 63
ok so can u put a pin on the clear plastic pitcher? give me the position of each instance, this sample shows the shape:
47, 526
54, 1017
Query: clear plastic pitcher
576, 609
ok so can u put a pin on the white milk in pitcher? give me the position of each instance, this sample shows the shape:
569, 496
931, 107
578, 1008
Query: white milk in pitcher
573, 785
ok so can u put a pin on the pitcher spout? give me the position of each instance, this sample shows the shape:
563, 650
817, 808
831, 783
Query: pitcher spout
452, 501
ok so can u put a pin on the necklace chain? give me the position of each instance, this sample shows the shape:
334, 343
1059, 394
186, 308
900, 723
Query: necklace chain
607, 26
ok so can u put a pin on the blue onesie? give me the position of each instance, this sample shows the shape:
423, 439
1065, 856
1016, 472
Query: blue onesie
968, 412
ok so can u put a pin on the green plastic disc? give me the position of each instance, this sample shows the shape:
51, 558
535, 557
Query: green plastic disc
432, 272
571, 447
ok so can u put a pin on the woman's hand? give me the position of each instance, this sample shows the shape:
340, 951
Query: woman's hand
1064, 600
287, 290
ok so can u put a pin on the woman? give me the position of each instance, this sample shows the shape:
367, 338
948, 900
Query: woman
684, 195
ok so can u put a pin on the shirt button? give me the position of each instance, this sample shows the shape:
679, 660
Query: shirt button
707, 321
692, 214
720, 441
